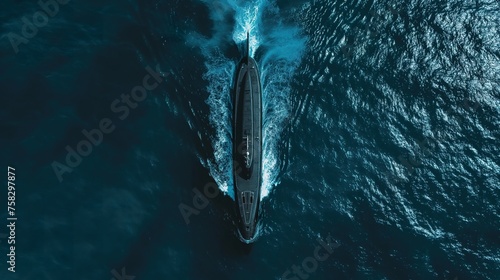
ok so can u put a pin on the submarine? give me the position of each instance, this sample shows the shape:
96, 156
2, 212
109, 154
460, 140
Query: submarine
247, 144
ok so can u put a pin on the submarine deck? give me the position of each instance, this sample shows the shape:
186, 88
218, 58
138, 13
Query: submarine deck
247, 145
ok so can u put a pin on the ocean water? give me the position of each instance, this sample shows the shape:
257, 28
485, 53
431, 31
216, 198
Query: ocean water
381, 139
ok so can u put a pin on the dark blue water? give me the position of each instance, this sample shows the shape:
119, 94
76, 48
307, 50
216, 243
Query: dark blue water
380, 138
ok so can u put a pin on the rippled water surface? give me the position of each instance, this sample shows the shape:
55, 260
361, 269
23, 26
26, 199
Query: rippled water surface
381, 135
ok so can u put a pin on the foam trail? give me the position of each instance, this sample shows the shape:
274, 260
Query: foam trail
284, 47
248, 19
219, 74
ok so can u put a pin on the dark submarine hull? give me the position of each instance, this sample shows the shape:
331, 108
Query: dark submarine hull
247, 145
